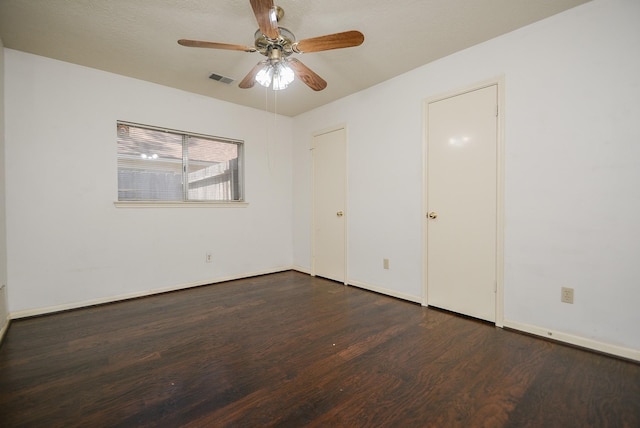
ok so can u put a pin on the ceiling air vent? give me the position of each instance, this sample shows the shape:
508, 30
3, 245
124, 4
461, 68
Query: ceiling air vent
221, 79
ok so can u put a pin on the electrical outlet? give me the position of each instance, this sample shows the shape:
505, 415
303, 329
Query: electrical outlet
566, 295
385, 263
208, 258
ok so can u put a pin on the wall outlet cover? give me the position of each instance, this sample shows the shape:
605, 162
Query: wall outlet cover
566, 295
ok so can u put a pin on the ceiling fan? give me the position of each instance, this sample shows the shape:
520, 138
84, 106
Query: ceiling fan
277, 44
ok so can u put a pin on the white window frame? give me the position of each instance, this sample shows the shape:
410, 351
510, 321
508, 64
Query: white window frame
185, 202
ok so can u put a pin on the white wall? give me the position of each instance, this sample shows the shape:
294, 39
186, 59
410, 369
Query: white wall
572, 172
3, 230
69, 244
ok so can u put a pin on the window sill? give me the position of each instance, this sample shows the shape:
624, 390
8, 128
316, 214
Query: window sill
179, 204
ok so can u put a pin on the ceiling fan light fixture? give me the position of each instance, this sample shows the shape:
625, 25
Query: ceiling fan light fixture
278, 75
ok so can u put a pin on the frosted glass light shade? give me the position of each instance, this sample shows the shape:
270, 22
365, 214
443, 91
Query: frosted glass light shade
264, 75
282, 76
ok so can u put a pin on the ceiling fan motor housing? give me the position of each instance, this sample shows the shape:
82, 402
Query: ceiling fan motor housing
285, 42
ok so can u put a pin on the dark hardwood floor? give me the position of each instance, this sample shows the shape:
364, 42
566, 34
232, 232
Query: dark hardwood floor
291, 350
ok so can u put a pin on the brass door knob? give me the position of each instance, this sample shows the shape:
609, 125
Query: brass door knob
433, 215
340, 213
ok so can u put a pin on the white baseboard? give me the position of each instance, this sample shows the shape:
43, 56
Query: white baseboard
620, 351
4, 328
301, 269
388, 292
112, 299
364, 285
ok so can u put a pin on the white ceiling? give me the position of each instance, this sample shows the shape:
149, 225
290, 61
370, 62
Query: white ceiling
138, 38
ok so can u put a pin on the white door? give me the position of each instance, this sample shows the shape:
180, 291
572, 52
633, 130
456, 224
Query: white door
329, 213
462, 203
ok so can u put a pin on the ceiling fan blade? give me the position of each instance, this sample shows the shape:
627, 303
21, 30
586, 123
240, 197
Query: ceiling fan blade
346, 39
250, 78
305, 74
215, 45
266, 15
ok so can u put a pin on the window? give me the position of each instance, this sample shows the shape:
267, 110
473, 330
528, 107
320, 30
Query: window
164, 165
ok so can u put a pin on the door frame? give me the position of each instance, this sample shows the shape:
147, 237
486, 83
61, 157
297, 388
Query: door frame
345, 203
499, 290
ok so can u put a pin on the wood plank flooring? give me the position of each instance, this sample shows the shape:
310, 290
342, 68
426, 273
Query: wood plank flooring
291, 350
